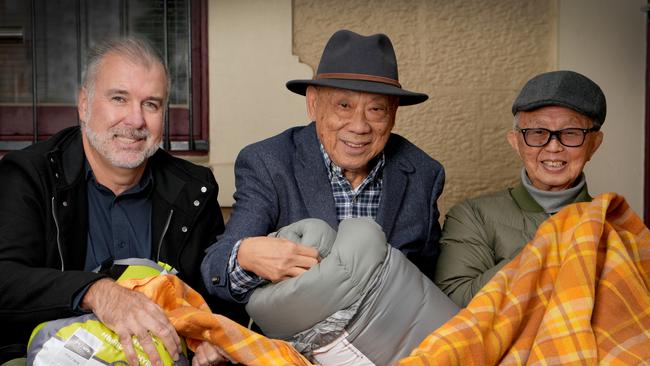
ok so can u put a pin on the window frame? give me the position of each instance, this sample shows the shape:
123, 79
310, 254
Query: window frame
21, 117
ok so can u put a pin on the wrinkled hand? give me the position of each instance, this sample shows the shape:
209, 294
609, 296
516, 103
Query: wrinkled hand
129, 313
208, 354
275, 259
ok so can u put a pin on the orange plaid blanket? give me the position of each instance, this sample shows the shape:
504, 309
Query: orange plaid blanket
578, 293
193, 320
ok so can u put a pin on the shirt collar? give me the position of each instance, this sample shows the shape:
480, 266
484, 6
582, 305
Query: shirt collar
377, 163
145, 184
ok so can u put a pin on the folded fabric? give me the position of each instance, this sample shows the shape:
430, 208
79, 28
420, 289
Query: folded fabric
365, 303
84, 340
193, 320
578, 293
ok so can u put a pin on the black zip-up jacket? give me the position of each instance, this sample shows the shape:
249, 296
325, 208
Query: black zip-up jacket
43, 231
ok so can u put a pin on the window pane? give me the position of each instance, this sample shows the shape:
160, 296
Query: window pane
64, 30
147, 18
56, 52
15, 60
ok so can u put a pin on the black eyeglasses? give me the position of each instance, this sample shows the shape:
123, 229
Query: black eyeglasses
569, 137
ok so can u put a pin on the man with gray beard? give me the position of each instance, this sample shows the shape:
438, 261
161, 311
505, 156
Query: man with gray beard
101, 192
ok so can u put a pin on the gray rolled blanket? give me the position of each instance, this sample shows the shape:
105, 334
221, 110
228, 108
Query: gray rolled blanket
363, 289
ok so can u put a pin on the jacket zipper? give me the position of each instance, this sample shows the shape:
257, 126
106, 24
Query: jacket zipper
169, 219
58, 240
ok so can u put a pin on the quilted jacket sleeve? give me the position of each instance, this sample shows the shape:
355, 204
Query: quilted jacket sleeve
467, 259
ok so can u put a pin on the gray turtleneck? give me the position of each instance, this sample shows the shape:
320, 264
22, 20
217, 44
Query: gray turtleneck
552, 201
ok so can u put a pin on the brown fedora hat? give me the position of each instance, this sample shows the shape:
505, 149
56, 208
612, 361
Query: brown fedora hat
355, 62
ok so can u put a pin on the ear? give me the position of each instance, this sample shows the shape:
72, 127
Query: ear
82, 104
597, 139
312, 101
511, 136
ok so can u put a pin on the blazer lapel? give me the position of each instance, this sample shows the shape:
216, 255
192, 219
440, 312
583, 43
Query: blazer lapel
395, 181
312, 179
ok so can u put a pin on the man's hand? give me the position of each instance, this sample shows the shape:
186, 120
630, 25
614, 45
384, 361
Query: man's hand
208, 354
129, 313
275, 259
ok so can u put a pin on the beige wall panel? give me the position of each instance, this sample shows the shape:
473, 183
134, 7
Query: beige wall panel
471, 57
250, 58
605, 40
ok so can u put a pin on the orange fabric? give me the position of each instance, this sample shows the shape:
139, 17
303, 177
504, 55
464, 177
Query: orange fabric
193, 320
577, 294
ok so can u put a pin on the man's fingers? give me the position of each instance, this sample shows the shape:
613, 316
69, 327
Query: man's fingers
304, 262
306, 257
199, 361
208, 354
306, 251
168, 336
127, 346
293, 272
275, 258
131, 313
149, 348
153, 322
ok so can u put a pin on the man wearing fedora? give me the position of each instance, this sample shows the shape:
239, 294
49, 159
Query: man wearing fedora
344, 164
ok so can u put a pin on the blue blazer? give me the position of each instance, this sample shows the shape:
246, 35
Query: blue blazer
283, 179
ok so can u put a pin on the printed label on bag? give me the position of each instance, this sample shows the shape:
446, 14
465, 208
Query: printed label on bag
78, 350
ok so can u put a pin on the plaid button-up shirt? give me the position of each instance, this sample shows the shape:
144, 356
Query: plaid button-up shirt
362, 201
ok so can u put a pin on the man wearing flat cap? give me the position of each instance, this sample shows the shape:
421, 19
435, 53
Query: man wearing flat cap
556, 131
344, 164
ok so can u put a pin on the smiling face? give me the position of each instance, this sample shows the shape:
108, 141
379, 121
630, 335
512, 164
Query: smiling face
122, 117
352, 126
554, 167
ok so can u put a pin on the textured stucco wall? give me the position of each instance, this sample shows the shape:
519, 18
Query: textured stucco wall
471, 57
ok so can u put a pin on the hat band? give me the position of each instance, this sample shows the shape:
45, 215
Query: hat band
350, 76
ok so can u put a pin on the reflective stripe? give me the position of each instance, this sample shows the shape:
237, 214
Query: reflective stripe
162, 236
58, 240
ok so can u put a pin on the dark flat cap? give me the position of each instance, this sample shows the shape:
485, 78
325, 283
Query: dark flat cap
566, 89
361, 63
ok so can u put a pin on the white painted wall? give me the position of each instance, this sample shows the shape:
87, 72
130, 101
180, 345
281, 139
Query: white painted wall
605, 40
250, 41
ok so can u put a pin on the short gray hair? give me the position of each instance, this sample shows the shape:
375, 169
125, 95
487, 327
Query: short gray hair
133, 48
515, 121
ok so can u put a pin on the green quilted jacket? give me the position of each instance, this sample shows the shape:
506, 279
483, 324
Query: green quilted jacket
482, 234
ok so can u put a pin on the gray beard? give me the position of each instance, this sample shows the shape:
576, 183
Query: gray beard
100, 141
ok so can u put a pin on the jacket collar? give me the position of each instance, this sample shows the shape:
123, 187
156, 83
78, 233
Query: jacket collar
312, 178
66, 159
168, 186
396, 180
174, 187
527, 203
311, 175
69, 157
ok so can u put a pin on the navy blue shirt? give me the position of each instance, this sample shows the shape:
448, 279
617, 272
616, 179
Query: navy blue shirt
118, 226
